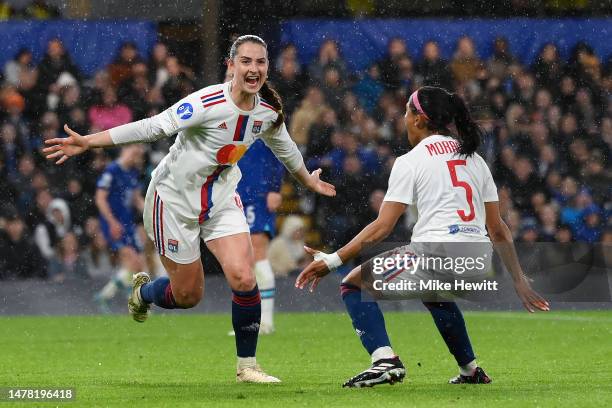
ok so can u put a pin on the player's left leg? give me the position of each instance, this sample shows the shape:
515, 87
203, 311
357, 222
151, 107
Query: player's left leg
235, 255
369, 323
265, 280
449, 321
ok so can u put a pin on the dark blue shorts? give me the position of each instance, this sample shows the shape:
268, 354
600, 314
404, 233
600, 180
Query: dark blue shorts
258, 217
128, 238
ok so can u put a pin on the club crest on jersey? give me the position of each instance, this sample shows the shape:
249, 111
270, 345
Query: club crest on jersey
257, 126
173, 245
185, 111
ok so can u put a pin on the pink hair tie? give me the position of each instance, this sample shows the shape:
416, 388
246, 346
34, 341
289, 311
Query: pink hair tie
417, 105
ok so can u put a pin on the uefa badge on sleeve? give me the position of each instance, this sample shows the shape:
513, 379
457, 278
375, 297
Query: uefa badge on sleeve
173, 245
257, 126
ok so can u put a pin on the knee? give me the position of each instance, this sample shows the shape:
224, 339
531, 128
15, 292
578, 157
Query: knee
241, 277
353, 277
188, 297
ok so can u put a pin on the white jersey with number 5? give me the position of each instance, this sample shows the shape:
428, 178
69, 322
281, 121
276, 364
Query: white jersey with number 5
449, 191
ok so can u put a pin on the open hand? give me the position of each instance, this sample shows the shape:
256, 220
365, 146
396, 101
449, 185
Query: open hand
319, 186
65, 147
530, 298
314, 272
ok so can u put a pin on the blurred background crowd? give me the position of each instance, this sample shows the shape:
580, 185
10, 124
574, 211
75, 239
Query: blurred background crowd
548, 128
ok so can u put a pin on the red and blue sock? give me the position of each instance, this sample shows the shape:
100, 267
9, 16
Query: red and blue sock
246, 316
159, 292
367, 318
450, 324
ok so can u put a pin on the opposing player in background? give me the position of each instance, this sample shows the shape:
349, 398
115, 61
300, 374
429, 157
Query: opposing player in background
259, 190
456, 197
192, 194
118, 197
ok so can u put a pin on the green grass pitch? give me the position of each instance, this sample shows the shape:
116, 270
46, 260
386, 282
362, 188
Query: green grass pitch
555, 359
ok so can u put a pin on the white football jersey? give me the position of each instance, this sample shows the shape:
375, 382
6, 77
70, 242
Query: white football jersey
199, 174
449, 191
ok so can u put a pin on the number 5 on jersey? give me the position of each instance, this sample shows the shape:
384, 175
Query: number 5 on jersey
452, 164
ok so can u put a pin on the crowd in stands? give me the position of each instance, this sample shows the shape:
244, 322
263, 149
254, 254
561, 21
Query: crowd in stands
548, 130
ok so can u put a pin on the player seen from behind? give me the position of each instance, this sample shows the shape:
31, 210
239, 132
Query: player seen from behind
456, 197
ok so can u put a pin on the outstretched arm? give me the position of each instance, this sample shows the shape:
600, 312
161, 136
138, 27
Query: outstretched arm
502, 241
285, 149
164, 124
373, 233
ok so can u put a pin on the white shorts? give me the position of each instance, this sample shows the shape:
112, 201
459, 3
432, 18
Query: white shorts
179, 239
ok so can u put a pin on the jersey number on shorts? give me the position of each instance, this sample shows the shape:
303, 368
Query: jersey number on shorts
250, 214
468, 189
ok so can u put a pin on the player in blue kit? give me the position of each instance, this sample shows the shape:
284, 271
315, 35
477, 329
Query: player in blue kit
259, 189
118, 196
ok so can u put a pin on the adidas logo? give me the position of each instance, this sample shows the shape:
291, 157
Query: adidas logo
253, 327
222, 126
359, 332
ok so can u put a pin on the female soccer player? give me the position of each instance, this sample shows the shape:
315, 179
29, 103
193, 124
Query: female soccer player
192, 192
455, 196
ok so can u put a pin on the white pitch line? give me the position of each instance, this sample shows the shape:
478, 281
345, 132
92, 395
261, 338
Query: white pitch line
543, 316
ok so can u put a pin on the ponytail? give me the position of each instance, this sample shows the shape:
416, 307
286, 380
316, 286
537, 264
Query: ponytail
469, 133
273, 98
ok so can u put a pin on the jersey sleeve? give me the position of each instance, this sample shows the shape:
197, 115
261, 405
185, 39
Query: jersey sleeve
188, 112
401, 183
105, 180
284, 148
276, 175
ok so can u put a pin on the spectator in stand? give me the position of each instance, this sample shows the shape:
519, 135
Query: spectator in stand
465, 62
50, 231
79, 202
55, 62
548, 67
97, 259
134, 91
290, 84
329, 57
389, 66
286, 253
369, 88
11, 149
121, 68
548, 217
110, 114
19, 257
320, 134
524, 183
591, 226
179, 83
71, 262
432, 68
501, 59
19, 67
307, 113
158, 74
333, 87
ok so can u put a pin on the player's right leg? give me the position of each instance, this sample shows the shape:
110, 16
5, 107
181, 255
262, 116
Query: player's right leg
178, 245
449, 320
369, 324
